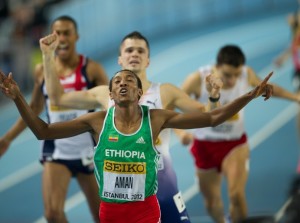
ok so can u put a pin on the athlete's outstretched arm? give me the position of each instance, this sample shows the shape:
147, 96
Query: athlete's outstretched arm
278, 91
89, 99
191, 86
170, 119
36, 103
41, 129
282, 57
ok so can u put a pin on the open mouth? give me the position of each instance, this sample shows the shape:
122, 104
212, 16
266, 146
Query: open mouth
133, 62
123, 91
62, 47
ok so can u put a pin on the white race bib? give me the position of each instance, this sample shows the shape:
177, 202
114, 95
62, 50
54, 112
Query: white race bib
179, 202
124, 181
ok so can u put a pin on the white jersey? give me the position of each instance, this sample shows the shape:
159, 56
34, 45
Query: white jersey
77, 147
152, 99
233, 128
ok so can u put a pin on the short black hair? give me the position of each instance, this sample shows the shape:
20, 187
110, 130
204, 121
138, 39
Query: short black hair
231, 55
66, 18
135, 35
139, 82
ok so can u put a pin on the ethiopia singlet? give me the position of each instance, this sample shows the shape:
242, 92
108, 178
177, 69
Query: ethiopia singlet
233, 128
77, 147
126, 164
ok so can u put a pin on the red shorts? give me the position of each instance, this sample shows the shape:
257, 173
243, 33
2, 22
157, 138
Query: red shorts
146, 211
210, 154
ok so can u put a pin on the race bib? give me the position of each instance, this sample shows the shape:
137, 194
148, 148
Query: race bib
124, 181
179, 202
160, 164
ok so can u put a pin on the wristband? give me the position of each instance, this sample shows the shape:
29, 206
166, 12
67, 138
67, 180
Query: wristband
214, 99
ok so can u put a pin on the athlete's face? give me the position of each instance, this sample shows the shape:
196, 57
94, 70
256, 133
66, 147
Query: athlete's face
229, 74
134, 55
125, 88
67, 36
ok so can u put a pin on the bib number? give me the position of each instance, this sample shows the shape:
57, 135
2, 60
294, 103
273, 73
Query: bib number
179, 202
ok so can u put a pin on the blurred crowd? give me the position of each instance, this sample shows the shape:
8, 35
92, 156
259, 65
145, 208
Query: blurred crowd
22, 23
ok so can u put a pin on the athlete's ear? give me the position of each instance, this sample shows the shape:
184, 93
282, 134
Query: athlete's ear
140, 93
110, 95
120, 61
148, 62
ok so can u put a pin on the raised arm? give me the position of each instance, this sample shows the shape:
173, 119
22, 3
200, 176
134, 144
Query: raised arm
170, 119
36, 104
41, 129
89, 99
192, 86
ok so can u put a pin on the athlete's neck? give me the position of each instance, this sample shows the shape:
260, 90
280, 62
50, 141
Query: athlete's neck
71, 62
145, 82
127, 118
65, 67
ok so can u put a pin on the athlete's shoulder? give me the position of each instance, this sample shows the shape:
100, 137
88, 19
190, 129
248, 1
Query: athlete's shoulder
171, 90
38, 72
168, 86
38, 68
96, 72
95, 119
92, 63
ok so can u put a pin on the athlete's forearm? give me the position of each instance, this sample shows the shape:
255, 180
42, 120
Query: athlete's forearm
31, 119
282, 93
15, 130
223, 113
207, 119
213, 103
53, 86
19, 126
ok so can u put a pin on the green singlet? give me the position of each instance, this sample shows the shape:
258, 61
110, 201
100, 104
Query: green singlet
126, 164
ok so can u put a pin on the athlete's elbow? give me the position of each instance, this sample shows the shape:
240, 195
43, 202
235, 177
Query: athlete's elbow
55, 98
214, 124
55, 101
39, 135
42, 136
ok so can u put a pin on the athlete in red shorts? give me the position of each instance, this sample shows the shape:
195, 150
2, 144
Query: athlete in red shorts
223, 150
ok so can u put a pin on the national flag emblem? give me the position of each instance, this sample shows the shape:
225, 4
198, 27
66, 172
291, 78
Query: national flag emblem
113, 138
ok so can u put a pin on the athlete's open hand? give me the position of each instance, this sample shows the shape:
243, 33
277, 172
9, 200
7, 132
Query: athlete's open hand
48, 44
8, 86
264, 89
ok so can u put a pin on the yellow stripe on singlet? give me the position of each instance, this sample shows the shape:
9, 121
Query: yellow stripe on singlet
234, 117
57, 108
